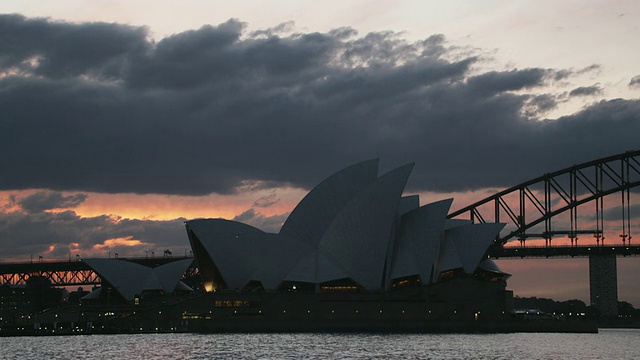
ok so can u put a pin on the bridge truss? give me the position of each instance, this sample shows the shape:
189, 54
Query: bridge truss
57, 278
71, 273
529, 208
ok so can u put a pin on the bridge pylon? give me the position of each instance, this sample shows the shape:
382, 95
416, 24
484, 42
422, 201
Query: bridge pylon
603, 284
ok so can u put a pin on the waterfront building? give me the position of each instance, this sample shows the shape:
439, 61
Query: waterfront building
132, 281
354, 231
353, 249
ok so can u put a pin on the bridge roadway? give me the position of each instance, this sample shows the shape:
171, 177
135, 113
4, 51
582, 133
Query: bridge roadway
76, 272
70, 272
603, 278
502, 252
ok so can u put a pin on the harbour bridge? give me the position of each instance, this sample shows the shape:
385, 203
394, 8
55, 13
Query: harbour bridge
593, 199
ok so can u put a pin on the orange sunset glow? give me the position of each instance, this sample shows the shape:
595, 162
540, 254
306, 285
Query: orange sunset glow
117, 242
167, 207
122, 120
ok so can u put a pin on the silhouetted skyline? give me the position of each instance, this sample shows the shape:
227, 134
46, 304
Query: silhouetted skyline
119, 123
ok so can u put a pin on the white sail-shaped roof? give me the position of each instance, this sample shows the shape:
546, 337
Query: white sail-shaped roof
408, 203
169, 274
242, 253
182, 287
317, 267
129, 278
404, 262
276, 256
151, 282
448, 259
95, 294
472, 242
352, 225
464, 245
329, 269
310, 219
491, 266
306, 269
420, 238
357, 238
231, 247
126, 277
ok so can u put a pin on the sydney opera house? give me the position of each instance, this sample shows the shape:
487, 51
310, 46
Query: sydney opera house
354, 254
131, 281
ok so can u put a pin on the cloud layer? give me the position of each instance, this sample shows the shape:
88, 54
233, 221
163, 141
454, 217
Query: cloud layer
102, 107
28, 227
45, 224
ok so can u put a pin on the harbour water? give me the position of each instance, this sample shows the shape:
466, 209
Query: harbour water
607, 344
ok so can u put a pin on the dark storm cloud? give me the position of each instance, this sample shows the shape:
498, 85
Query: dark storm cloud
635, 81
615, 214
101, 107
58, 50
279, 29
590, 68
586, 91
497, 82
47, 200
62, 233
271, 224
563, 74
58, 234
539, 105
266, 200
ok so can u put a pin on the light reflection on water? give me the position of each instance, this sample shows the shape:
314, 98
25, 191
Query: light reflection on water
608, 344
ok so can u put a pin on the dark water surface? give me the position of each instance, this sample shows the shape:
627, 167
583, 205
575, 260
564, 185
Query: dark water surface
608, 344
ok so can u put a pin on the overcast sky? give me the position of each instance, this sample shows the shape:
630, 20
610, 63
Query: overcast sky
119, 120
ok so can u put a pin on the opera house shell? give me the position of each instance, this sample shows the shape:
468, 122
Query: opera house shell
131, 280
354, 231
354, 255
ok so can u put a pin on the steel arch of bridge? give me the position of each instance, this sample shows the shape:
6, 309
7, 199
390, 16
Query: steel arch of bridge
542, 198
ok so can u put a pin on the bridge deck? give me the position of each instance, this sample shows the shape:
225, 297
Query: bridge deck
70, 272
77, 272
562, 251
